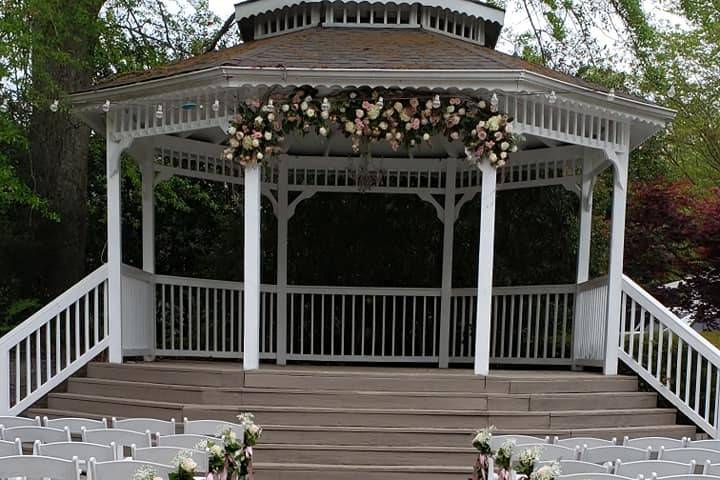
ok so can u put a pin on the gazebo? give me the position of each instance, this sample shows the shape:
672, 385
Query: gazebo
174, 121
402, 98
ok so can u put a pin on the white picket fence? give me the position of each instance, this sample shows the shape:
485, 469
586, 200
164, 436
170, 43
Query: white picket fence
670, 356
54, 343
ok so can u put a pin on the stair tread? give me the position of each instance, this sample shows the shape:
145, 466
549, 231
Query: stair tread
363, 468
378, 448
124, 401
454, 394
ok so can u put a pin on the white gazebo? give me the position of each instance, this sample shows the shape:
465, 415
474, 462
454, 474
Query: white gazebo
174, 121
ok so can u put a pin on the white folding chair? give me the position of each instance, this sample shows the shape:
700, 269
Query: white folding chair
213, 428
654, 468
706, 444
121, 438
701, 456
9, 422
9, 449
582, 442
614, 453
154, 426
692, 477
167, 455
35, 467
568, 467
184, 440
31, 434
75, 425
549, 452
712, 469
593, 476
655, 443
80, 450
124, 469
498, 440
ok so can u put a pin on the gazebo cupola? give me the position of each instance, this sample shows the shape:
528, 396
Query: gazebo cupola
465, 19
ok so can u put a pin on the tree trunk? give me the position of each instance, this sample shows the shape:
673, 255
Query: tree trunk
67, 33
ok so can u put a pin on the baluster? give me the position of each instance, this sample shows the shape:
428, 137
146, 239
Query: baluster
67, 337
537, 327
181, 323
503, 318
556, 314
632, 329
678, 366
86, 321
414, 303
708, 390
651, 340
302, 323
688, 365
512, 326
292, 322
38, 360
669, 357
48, 351
58, 350
28, 370
564, 324
424, 331
658, 366
312, 324
546, 338
698, 374
384, 323
322, 325
18, 377
494, 327
215, 320
394, 308
641, 344
77, 329
520, 326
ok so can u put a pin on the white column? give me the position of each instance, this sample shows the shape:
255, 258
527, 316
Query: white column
485, 268
615, 272
448, 234
586, 203
282, 247
148, 215
114, 151
251, 312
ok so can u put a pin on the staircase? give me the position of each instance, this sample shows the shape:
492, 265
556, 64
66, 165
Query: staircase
376, 423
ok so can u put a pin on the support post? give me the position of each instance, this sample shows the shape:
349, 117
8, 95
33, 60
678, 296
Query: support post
252, 253
447, 259
148, 247
5, 385
114, 151
615, 271
485, 269
282, 248
586, 205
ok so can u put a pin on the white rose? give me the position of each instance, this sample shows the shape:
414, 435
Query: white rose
259, 120
426, 137
398, 136
234, 143
304, 106
429, 105
408, 126
388, 136
325, 115
482, 104
461, 111
216, 450
501, 163
229, 156
493, 157
509, 128
383, 125
311, 112
188, 464
271, 117
259, 156
504, 145
231, 130
255, 142
286, 107
514, 149
323, 131
359, 113
268, 136
451, 109
503, 155
239, 135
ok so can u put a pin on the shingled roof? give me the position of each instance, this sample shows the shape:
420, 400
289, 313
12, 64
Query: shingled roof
350, 48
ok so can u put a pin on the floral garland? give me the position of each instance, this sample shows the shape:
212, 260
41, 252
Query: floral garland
502, 460
231, 458
259, 128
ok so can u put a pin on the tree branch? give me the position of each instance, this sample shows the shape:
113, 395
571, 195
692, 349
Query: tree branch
220, 33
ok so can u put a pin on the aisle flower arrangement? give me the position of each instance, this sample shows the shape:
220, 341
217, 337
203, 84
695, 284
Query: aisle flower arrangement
185, 467
231, 457
400, 117
499, 464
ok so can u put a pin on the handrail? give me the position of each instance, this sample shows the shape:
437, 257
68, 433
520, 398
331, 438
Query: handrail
55, 342
670, 356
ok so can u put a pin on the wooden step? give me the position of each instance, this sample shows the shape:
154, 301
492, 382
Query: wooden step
359, 455
283, 471
445, 418
114, 406
138, 390
194, 374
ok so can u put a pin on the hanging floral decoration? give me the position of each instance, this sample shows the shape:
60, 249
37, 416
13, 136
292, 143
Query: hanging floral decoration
230, 458
400, 118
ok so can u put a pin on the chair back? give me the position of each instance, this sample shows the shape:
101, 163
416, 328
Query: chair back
8, 449
124, 469
120, 437
184, 440
212, 428
690, 454
519, 440
80, 450
655, 443
594, 476
706, 444
142, 425
569, 467
691, 477
34, 433
75, 425
614, 453
35, 467
169, 455
549, 452
654, 468
9, 422
583, 442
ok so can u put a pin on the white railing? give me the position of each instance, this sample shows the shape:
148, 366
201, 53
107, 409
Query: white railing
529, 324
204, 318
363, 324
590, 319
670, 356
51, 345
